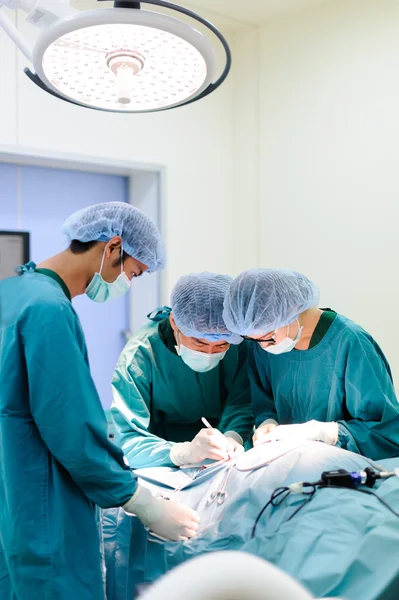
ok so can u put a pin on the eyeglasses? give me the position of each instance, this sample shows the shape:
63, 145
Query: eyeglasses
270, 340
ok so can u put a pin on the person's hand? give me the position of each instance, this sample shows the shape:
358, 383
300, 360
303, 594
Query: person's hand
234, 447
260, 435
175, 521
208, 443
312, 430
170, 520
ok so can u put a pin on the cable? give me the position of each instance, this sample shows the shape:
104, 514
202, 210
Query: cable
346, 480
275, 501
277, 492
310, 494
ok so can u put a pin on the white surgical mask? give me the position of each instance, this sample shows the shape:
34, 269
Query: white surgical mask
199, 361
102, 291
287, 344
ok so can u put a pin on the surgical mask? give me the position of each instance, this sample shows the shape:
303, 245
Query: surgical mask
102, 291
199, 361
287, 344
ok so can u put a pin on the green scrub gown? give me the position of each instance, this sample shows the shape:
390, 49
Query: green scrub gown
56, 461
158, 399
343, 377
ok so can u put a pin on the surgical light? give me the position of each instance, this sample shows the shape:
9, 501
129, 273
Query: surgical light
121, 59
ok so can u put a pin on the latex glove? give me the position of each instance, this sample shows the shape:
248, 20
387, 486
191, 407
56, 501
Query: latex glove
208, 443
312, 430
262, 431
170, 520
235, 443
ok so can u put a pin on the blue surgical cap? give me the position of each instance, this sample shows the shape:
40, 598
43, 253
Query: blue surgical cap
197, 306
262, 300
140, 237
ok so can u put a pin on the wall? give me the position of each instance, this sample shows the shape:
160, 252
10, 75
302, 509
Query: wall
194, 143
328, 137
246, 163
292, 163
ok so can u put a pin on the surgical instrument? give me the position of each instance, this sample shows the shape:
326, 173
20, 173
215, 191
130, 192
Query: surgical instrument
220, 495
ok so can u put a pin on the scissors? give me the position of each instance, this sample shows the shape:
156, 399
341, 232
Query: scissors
220, 496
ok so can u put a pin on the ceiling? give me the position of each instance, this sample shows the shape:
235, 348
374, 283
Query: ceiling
231, 15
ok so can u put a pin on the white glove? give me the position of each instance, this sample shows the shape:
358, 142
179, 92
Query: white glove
312, 430
235, 443
208, 443
170, 520
262, 431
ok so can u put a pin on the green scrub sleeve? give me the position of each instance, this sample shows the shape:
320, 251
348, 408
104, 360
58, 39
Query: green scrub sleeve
130, 411
66, 407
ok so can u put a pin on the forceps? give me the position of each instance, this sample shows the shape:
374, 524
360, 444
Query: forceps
220, 496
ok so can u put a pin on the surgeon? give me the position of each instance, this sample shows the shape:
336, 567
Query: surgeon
315, 374
56, 461
182, 365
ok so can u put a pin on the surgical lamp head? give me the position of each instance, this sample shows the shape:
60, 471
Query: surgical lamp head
120, 59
